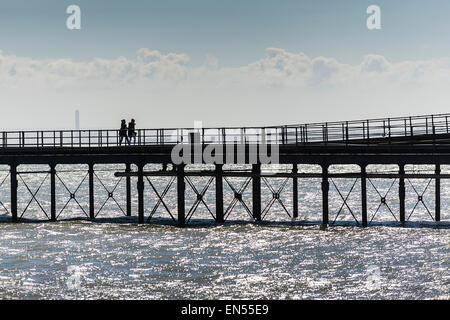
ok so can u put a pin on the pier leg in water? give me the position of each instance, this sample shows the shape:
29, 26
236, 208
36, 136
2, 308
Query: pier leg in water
295, 190
91, 191
128, 188
52, 192
219, 193
13, 176
181, 188
256, 189
401, 192
438, 194
364, 195
325, 190
140, 189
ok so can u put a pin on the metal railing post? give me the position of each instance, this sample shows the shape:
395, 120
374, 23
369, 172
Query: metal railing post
389, 128
410, 127
346, 132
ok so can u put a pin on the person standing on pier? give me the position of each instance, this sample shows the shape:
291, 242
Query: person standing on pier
131, 130
123, 132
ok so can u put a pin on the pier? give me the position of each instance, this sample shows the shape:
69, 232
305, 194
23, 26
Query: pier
401, 141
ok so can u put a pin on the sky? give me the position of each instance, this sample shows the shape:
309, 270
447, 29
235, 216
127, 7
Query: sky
226, 63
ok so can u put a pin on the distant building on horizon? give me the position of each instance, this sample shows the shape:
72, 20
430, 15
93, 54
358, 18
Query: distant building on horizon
77, 120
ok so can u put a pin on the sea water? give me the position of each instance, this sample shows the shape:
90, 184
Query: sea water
114, 257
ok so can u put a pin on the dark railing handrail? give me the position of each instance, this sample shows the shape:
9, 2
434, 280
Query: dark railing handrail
309, 124
356, 131
428, 116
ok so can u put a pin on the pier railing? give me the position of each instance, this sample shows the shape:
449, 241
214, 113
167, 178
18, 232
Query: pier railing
369, 131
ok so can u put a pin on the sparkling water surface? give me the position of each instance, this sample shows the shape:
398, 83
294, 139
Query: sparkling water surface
115, 258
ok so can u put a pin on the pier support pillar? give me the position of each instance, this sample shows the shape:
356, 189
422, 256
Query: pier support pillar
14, 184
181, 190
295, 190
438, 194
256, 189
91, 191
401, 192
52, 192
128, 188
219, 193
140, 190
325, 190
364, 195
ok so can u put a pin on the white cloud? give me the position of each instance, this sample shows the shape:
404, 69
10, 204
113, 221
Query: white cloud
15, 71
375, 63
164, 89
278, 69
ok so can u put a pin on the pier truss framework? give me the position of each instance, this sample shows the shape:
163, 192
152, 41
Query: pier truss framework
402, 142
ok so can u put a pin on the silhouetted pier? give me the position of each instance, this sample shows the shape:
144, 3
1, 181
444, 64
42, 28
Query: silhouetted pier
401, 141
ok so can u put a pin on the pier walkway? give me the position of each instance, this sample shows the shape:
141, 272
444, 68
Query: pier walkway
400, 141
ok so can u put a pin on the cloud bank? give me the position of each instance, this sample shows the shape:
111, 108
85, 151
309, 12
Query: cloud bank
164, 89
279, 68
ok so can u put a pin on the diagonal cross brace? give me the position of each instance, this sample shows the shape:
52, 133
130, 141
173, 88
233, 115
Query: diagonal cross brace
1, 203
72, 195
275, 197
345, 201
110, 195
383, 200
161, 198
199, 199
238, 198
33, 195
420, 199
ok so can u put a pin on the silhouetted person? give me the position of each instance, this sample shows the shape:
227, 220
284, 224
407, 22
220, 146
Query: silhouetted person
123, 132
132, 131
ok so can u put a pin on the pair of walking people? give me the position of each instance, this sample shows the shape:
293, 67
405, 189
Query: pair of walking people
127, 132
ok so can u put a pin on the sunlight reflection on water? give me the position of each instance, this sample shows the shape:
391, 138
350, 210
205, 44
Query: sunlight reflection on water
118, 259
